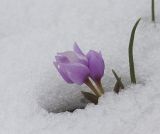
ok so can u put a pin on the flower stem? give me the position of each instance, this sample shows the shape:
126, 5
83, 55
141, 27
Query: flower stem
153, 11
99, 86
91, 86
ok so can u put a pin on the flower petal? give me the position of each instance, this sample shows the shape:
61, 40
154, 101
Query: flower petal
96, 65
70, 55
74, 57
77, 49
77, 72
63, 72
61, 59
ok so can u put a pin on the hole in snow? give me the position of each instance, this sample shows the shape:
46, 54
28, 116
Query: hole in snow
62, 104
63, 100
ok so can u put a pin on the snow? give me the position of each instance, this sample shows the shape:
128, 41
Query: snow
33, 97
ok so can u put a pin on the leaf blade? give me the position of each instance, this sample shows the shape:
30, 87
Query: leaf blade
91, 97
119, 85
130, 53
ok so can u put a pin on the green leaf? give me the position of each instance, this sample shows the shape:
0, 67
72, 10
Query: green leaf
153, 11
130, 53
91, 97
118, 79
116, 87
119, 85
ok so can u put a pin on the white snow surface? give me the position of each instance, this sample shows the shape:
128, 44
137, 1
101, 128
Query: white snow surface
32, 91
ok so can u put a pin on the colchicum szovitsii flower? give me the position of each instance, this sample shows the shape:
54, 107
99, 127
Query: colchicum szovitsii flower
76, 67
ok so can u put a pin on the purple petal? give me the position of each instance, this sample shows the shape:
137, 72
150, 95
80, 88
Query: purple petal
77, 72
61, 59
77, 49
62, 72
96, 65
74, 57
70, 55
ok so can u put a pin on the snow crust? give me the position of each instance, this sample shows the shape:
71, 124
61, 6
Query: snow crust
31, 90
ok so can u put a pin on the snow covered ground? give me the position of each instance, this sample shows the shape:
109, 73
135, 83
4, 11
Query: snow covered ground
31, 90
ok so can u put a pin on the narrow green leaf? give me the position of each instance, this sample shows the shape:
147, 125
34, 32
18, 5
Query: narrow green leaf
119, 85
116, 87
130, 53
153, 11
91, 97
116, 76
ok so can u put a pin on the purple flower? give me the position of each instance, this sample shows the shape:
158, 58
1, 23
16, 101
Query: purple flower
76, 67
